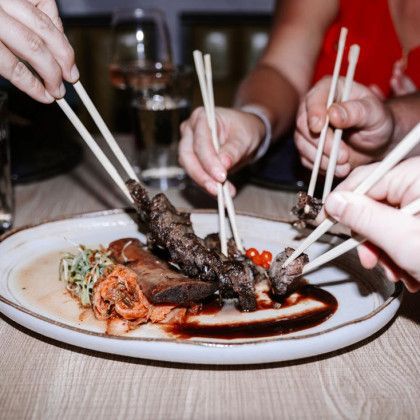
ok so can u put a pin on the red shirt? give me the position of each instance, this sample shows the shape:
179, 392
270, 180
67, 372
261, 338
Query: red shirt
370, 25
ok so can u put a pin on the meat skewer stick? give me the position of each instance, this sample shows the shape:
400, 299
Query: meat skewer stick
100, 123
396, 155
413, 208
330, 100
97, 151
199, 67
228, 198
338, 133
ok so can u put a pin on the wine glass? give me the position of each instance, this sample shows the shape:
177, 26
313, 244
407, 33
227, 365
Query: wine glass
160, 93
140, 47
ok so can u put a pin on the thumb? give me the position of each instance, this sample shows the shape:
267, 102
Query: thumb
359, 113
382, 225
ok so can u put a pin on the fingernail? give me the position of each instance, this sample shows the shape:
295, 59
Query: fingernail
219, 175
314, 123
336, 204
74, 73
49, 97
62, 90
342, 113
211, 187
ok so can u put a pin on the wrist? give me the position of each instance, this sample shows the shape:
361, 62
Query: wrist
263, 129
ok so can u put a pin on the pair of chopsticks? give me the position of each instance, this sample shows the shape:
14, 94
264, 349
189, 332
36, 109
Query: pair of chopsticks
395, 156
206, 85
338, 133
106, 133
205, 78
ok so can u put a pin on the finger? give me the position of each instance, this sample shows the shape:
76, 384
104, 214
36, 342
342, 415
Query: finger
400, 186
361, 113
17, 73
192, 165
356, 177
398, 234
41, 24
233, 152
343, 151
49, 7
308, 152
316, 105
396, 274
30, 47
205, 152
377, 91
368, 255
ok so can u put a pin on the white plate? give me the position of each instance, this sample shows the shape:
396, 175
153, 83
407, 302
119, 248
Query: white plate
366, 300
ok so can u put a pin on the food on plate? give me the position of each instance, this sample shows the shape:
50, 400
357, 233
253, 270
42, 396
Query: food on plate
287, 279
171, 231
169, 278
306, 208
81, 271
160, 282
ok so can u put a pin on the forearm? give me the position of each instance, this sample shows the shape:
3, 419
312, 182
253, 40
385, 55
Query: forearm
405, 112
268, 88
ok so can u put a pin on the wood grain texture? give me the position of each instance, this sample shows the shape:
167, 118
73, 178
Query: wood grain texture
41, 378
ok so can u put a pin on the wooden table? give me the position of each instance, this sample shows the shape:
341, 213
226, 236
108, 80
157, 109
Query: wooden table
45, 379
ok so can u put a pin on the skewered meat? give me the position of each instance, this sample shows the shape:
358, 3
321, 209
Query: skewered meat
288, 279
158, 281
212, 241
306, 208
171, 231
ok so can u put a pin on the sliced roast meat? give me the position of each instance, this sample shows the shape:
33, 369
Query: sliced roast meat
158, 281
288, 279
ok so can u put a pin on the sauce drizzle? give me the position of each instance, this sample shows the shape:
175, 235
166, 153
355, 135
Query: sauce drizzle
266, 328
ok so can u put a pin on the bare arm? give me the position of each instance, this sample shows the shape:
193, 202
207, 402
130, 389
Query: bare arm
406, 114
284, 72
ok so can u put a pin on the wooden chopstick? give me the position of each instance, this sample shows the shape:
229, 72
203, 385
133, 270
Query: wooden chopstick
338, 133
223, 195
103, 128
199, 67
97, 151
412, 209
396, 155
228, 198
330, 100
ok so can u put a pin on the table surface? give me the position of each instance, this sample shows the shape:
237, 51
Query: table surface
43, 378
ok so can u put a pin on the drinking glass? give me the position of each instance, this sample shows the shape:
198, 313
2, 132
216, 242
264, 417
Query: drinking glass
6, 191
140, 47
160, 92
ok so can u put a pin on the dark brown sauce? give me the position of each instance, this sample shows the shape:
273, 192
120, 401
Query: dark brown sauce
258, 329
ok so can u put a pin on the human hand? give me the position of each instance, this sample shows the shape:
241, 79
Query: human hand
31, 36
401, 84
239, 134
366, 119
374, 217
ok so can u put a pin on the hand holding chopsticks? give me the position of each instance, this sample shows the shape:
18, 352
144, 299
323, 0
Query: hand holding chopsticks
204, 74
331, 97
395, 156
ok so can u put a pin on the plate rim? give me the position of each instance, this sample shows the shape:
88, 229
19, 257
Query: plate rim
397, 294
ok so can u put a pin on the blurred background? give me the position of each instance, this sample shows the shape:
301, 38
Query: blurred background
234, 32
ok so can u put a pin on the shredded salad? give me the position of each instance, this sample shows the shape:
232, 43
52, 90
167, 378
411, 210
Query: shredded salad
82, 270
